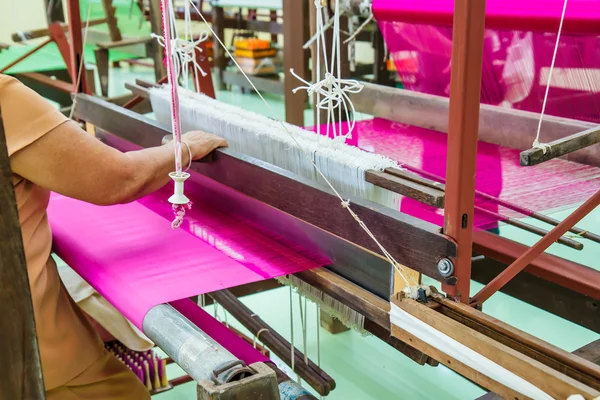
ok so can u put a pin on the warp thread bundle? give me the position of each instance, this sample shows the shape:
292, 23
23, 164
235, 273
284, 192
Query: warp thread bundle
148, 367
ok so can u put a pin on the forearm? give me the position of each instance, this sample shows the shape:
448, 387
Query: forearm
151, 167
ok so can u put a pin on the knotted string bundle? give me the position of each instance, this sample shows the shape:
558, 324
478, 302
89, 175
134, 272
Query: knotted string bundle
331, 87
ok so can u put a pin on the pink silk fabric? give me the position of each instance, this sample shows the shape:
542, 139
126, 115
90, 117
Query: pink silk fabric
528, 15
219, 332
133, 258
548, 186
516, 57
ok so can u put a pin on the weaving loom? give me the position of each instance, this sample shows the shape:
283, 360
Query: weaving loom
269, 207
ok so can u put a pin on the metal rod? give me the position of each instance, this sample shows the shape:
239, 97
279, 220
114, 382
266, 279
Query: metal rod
24, 56
530, 228
535, 250
192, 349
465, 93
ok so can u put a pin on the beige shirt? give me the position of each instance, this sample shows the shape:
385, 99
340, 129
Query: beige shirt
68, 343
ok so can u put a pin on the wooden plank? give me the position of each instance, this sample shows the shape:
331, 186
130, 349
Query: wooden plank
590, 352
153, 48
22, 376
550, 381
560, 147
424, 194
506, 127
38, 33
295, 13
269, 85
111, 20
421, 247
562, 361
123, 43
450, 362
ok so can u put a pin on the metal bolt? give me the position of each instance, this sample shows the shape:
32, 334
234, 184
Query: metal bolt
445, 267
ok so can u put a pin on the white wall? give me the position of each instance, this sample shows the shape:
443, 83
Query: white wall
20, 15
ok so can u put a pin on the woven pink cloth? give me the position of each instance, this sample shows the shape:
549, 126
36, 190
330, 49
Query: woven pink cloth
516, 56
532, 15
133, 258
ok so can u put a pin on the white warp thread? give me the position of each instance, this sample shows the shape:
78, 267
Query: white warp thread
463, 354
265, 139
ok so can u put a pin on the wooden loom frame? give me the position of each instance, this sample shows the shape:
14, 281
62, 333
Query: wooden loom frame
247, 168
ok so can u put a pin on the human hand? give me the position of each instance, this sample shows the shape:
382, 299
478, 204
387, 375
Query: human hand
202, 143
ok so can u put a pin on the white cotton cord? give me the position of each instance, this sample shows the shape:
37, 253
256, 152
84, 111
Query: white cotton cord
81, 67
318, 313
389, 257
189, 155
292, 355
257, 337
303, 312
536, 143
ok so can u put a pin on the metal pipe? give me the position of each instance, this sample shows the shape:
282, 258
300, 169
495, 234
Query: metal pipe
535, 250
191, 348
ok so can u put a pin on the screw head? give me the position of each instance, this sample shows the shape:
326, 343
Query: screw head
445, 267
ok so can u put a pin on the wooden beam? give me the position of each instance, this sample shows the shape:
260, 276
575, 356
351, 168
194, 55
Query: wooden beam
22, 376
552, 382
263, 84
295, 13
589, 352
111, 20
38, 33
560, 147
551, 356
153, 47
407, 187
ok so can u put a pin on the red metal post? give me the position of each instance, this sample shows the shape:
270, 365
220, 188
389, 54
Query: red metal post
523, 261
465, 89
74, 16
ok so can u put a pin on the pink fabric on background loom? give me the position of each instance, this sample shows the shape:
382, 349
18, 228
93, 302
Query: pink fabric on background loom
537, 15
515, 67
132, 257
553, 184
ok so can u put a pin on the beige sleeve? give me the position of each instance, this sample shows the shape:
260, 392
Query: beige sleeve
26, 116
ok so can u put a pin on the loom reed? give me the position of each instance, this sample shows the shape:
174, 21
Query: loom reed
522, 210
311, 373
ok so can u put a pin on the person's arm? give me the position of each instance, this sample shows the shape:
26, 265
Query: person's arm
69, 161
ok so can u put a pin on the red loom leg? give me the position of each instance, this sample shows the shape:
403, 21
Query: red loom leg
465, 88
76, 48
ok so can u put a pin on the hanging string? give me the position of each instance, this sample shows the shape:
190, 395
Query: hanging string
292, 347
408, 279
175, 54
536, 142
81, 66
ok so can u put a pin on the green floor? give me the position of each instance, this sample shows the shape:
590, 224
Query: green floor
364, 367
